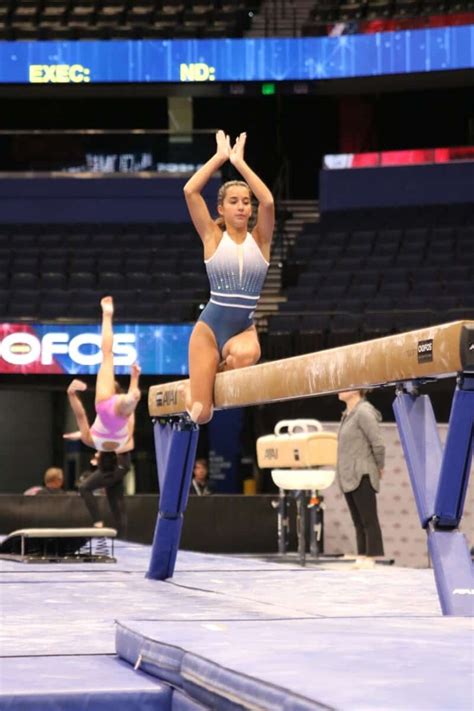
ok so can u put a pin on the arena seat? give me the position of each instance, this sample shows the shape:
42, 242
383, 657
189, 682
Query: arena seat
349, 11
295, 306
82, 280
412, 319
326, 251
312, 333
4, 297
53, 280
91, 295
389, 236
362, 291
300, 292
384, 15
108, 282
136, 264
355, 305
354, 250
460, 288
331, 292
406, 8
54, 303
84, 310
108, 19
24, 240
54, 263
279, 340
108, 263
140, 259
450, 273
466, 311
77, 241
385, 252
377, 324
344, 329
79, 264
166, 280
23, 280
26, 299
22, 263
352, 263
382, 262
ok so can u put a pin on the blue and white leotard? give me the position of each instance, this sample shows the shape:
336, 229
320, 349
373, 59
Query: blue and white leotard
236, 274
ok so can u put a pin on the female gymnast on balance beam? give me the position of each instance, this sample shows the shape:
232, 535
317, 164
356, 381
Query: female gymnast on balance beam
236, 261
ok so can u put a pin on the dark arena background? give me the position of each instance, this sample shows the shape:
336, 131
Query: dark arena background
359, 117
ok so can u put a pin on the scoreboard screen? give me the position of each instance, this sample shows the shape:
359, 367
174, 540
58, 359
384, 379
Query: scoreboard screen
237, 60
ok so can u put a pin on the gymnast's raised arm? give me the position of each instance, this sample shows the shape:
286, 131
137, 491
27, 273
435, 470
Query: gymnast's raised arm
202, 220
79, 412
263, 230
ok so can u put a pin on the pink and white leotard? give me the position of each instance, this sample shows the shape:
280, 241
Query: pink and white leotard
109, 427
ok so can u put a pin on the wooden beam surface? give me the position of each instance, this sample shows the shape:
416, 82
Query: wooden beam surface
433, 352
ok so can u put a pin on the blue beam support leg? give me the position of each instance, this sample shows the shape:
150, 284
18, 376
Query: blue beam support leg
422, 449
439, 480
175, 445
456, 465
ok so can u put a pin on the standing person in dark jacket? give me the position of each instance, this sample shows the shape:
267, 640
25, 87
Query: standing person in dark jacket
109, 474
360, 463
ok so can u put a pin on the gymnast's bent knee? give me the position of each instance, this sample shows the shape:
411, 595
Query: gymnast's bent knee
243, 358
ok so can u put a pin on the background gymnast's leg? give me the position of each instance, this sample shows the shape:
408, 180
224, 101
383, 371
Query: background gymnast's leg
105, 384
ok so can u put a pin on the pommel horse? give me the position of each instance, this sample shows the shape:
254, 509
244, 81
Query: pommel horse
439, 478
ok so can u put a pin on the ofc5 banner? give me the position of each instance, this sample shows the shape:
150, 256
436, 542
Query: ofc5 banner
75, 349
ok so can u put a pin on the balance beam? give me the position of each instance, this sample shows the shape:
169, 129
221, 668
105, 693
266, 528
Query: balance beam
429, 353
439, 476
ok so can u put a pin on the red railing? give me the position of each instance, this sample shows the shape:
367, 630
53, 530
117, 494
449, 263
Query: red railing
418, 156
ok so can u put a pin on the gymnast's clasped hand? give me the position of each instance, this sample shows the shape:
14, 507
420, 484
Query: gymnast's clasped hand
226, 151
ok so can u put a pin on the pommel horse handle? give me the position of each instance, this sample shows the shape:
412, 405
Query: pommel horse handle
301, 425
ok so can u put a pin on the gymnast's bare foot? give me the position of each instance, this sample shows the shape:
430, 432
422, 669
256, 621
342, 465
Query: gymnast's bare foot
107, 304
72, 436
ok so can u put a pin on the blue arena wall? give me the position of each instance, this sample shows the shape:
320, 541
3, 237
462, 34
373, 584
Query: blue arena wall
403, 186
119, 200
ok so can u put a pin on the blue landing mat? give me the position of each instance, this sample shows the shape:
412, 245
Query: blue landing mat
369, 639
338, 663
95, 683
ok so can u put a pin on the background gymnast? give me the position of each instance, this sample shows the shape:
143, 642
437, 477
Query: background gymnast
113, 427
236, 262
